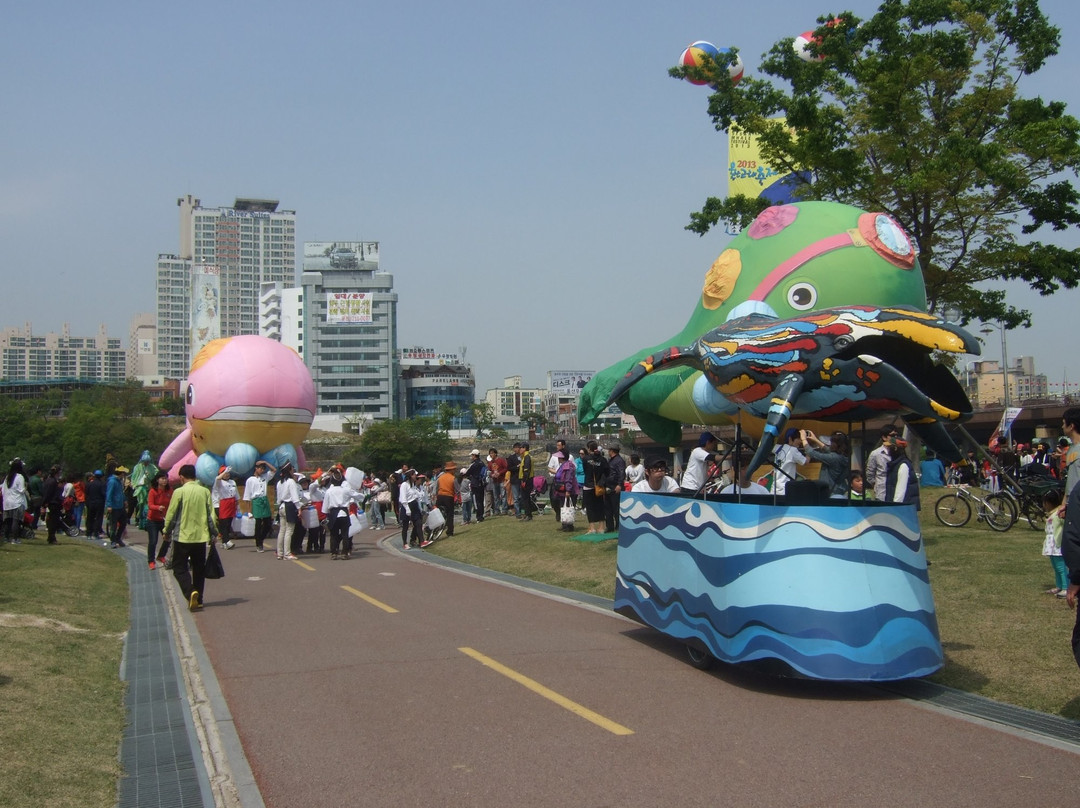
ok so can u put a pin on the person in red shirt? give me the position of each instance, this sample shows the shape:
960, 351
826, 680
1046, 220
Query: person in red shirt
497, 468
157, 504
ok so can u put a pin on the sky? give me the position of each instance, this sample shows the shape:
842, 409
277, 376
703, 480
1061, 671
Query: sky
528, 168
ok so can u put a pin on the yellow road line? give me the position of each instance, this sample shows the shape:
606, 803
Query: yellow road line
547, 693
370, 600
305, 566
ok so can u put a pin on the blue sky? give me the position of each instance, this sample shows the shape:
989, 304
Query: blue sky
528, 168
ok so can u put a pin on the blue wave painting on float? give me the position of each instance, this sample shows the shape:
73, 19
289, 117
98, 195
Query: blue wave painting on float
837, 592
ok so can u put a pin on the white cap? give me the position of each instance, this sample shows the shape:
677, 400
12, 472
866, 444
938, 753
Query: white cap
474, 452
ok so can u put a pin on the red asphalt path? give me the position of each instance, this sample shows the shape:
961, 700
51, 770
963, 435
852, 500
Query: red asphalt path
338, 702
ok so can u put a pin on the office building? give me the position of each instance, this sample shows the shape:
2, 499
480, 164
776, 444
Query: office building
211, 287
430, 378
350, 330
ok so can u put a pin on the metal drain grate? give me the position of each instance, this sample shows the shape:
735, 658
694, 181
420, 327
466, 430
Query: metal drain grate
162, 763
1052, 727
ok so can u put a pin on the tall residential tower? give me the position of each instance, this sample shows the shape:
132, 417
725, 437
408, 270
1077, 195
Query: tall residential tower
211, 288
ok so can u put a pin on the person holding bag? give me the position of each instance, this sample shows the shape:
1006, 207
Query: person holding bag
191, 513
289, 501
593, 490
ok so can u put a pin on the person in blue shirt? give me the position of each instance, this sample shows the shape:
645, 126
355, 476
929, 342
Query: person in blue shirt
932, 471
115, 505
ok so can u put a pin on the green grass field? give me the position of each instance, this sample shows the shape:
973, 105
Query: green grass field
63, 612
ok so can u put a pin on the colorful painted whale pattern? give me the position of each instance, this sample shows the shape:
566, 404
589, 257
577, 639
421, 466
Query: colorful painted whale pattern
838, 592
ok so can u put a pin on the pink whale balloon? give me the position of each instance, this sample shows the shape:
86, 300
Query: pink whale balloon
243, 390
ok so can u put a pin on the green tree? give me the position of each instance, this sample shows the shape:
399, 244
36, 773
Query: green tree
446, 413
386, 444
536, 421
916, 112
483, 416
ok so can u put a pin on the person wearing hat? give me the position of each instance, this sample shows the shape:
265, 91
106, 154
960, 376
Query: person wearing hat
257, 495
877, 460
447, 489
697, 467
115, 505
95, 504
224, 496
656, 480
476, 473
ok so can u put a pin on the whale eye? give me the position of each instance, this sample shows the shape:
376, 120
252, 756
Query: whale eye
802, 296
190, 395
843, 341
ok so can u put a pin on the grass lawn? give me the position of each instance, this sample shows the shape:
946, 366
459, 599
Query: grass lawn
63, 611
1003, 638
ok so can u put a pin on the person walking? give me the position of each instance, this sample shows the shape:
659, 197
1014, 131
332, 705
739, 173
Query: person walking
95, 504
447, 490
16, 499
115, 505
157, 505
191, 517
409, 505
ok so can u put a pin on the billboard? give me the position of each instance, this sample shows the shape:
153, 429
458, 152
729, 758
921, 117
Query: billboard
749, 175
427, 356
205, 306
348, 307
568, 382
322, 255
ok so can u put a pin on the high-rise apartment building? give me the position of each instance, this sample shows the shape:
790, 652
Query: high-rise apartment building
211, 287
27, 356
350, 329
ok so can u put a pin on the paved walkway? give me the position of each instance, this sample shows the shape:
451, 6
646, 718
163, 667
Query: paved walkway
183, 748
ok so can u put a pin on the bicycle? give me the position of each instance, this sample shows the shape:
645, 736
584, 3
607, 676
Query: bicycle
1027, 496
954, 509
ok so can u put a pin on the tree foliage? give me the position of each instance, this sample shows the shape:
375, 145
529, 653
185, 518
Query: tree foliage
386, 444
917, 112
483, 416
79, 433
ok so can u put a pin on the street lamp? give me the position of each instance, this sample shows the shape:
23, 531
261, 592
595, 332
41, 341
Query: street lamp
988, 329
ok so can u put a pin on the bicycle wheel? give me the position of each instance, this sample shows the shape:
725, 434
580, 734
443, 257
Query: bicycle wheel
1034, 513
1000, 512
953, 510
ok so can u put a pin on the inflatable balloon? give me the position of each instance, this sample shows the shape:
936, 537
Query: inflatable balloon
816, 311
247, 397
801, 46
701, 53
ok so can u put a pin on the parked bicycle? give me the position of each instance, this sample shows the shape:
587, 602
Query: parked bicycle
1027, 495
954, 509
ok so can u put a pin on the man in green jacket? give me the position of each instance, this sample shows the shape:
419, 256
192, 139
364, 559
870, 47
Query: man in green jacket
190, 507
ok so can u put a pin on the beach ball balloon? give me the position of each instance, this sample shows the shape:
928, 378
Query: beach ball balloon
701, 53
698, 54
801, 45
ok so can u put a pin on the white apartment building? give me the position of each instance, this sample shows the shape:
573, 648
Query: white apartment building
53, 357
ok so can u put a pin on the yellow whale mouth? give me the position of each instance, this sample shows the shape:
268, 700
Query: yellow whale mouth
262, 427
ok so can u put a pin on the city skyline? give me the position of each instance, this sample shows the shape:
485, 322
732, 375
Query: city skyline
527, 171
